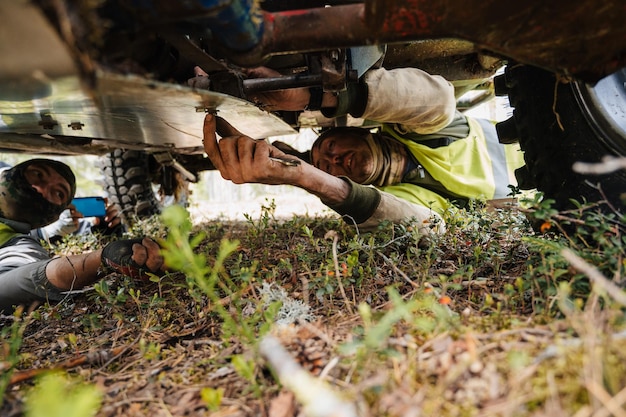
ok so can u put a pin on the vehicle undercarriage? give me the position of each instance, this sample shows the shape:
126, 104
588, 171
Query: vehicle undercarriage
110, 77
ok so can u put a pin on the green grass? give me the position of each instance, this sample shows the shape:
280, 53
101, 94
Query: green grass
487, 319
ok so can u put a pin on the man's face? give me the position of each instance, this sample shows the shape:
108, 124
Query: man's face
345, 155
48, 182
36, 191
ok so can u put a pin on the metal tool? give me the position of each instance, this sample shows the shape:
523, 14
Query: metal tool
286, 161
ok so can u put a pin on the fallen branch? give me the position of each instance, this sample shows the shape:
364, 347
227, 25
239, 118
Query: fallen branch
335, 236
99, 357
595, 276
316, 397
398, 270
609, 164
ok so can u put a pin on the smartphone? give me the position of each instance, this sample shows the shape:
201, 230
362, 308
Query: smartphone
90, 206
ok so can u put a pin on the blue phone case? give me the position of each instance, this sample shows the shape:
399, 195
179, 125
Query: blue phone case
90, 206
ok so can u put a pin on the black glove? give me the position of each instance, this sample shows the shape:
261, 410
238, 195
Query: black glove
353, 101
117, 257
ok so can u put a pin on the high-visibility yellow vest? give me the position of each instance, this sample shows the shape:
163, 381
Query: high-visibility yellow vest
475, 167
6, 233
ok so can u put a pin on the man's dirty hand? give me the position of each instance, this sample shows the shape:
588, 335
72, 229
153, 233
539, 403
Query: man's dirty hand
242, 159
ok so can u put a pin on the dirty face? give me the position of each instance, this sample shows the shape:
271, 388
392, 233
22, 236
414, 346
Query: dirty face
344, 155
36, 191
48, 182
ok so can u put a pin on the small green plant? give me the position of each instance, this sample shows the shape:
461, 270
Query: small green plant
425, 313
55, 395
595, 236
213, 281
103, 290
149, 350
11, 340
212, 397
246, 368
266, 220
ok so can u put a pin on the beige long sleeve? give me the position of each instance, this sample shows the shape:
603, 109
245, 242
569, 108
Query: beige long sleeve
421, 102
394, 209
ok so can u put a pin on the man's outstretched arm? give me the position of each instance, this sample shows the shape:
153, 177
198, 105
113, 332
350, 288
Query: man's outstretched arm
77, 271
419, 101
242, 159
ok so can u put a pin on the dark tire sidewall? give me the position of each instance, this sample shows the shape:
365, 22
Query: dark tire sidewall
554, 134
128, 183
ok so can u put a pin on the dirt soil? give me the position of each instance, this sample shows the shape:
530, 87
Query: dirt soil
392, 324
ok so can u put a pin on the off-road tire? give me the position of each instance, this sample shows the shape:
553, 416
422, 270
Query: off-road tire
554, 134
128, 183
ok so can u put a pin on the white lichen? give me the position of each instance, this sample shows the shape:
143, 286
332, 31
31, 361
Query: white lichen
291, 311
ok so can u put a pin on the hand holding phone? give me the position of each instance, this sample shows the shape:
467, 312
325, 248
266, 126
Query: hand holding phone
90, 206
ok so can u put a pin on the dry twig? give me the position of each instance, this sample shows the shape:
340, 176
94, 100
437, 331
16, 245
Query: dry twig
335, 236
595, 276
101, 356
609, 164
317, 399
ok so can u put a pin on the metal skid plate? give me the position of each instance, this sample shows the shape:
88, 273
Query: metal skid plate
130, 110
